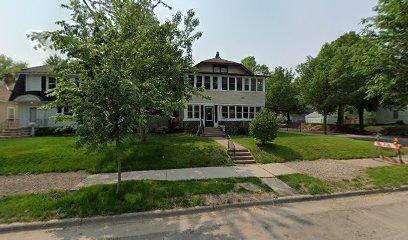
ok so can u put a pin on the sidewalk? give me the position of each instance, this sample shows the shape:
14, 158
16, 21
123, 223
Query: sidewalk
253, 170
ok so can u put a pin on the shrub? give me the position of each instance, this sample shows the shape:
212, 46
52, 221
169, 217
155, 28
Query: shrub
54, 131
264, 126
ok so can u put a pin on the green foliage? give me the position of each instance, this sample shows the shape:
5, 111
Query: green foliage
58, 154
296, 146
306, 184
390, 28
130, 65
264, 126
101, 200
281, 92
9, 66
251, 64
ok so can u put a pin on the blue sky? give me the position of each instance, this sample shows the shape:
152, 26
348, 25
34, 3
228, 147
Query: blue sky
276, 32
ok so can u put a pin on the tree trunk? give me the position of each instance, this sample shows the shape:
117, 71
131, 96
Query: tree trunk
340, 115
119, 159
325, 124
361, 118
143, 134
288, 118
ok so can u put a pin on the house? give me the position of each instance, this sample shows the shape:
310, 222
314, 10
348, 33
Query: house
30, 94
316, 117
390, 115
235, 94
8, 110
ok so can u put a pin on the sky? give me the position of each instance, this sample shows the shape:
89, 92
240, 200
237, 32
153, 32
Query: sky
276, 32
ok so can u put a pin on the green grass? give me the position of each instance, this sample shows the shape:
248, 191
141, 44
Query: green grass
58, 154
101, 199
305, 184
389, 176
296, 146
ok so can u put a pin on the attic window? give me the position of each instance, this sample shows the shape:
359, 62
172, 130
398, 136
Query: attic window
220, 69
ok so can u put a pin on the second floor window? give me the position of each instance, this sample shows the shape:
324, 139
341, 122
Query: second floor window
246, 84
260, 85
231, 84
52, 83
215, 83
224, 83
239, 84
253, 84
191, 80
199, 81
207, 82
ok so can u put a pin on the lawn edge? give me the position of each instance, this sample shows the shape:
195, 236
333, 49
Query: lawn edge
26, 226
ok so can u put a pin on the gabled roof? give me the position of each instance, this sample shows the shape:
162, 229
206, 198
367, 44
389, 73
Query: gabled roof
44, 69
218, 60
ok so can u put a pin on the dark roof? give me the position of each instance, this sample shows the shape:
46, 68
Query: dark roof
218, 60
44, 69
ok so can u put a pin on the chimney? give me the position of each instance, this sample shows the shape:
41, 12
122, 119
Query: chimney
217, 55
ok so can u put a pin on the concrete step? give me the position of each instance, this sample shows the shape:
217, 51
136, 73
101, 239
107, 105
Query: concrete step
239, 151
212, 135
244, 161
242, 157
240, 154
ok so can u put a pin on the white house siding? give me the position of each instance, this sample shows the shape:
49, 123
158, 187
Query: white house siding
389, 116
231, 97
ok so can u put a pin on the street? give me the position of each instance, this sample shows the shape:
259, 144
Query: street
382, 216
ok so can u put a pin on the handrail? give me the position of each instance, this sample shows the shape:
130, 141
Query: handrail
231, 145
200, 130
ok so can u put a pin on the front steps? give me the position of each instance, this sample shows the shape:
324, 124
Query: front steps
213, 132
241, 156
14, 133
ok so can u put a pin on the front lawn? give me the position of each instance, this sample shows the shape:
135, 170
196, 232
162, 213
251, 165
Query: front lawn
297, 146
58, 154
138, 196
389, 176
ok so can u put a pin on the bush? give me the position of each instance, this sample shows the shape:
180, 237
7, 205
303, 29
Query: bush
54, 131
264, 126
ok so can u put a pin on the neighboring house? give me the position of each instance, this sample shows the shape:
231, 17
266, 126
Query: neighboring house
316, 117
236, 95
390, 116
30, 94
8, 110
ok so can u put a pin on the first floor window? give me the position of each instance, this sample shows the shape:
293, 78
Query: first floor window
52, 83
246, 84
215, 83
245, 112
253, 84
224, 111
251, 112
196, 111
11, 113
239, 112
207, 82
199, 81
190, 111
232, 112
231, 84
224, 83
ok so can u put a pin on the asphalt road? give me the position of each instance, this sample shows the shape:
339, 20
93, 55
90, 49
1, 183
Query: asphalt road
383, 216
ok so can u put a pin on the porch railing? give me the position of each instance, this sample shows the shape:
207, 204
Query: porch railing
231, 146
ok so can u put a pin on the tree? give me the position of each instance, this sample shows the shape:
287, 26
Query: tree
264, 126
9, 66
390, 28
347, 78
129, 66
314, 81
251, 64
281, 92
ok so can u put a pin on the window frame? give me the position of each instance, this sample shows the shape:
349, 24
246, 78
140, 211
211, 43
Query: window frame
232, 80
199, 78
253, 85
214, 80
247, 84
259, 85
205, 82
226, 83
49, 83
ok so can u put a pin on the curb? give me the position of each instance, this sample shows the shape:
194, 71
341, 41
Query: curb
14, 227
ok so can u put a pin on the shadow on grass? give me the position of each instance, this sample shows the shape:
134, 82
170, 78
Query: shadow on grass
281, 153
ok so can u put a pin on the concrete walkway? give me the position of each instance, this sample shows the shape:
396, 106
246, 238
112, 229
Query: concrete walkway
253, 170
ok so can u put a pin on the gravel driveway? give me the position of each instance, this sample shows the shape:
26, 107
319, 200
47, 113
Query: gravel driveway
328, 169
32, 183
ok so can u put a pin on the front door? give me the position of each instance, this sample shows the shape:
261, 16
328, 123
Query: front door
209, 116
33, 114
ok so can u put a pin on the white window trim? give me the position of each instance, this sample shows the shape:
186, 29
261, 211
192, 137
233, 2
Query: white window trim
219, 82
186, 118
9, 110
221, 118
